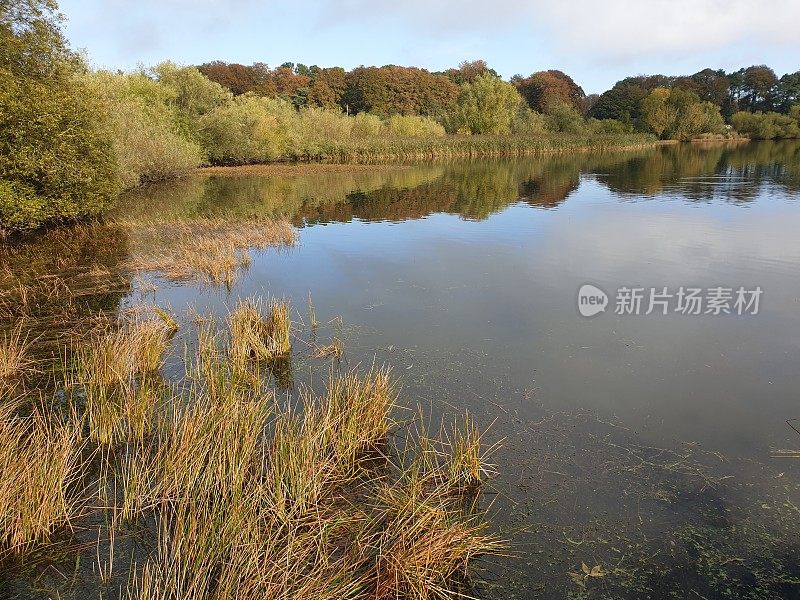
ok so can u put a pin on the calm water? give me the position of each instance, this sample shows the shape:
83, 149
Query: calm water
639, 443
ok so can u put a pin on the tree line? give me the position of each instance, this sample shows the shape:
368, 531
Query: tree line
671, 107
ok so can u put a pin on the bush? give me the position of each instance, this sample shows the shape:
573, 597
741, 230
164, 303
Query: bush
607, 126
529, 122
250, 129
488, 105
413, 126
561, 117
366, 125
767, 126
55, 164
190, 94
143, 125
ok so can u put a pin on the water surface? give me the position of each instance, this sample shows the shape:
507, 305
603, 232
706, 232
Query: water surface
643, 444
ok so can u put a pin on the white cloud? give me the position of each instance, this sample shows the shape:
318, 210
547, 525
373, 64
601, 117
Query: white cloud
610, 30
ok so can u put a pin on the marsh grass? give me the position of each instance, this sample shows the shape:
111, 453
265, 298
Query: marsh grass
238, 493
213, 250
14, 350
115, 376
41, 465
258, 331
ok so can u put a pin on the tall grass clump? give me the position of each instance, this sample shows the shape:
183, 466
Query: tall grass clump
41, 465
14, 349
114, 380
213, 250
234, 491
258, 332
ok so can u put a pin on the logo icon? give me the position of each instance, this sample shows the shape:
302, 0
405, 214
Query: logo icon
591, 300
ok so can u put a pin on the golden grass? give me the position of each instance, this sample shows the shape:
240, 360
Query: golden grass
213, 250
14, 349
243, 496
259, 331
40, 466
108, 374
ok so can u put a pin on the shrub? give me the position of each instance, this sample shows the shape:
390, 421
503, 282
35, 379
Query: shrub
607, 126
564, 118
247, 130
54, 162
366, 125
191, 94
488, 105
529, 122
766, 126
413, 126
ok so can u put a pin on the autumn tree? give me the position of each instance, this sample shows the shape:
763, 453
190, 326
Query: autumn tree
327, 87
547, 88
398, 90
240, 79
468, 70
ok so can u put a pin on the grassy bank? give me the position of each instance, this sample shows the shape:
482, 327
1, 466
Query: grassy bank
476, 146
224, 489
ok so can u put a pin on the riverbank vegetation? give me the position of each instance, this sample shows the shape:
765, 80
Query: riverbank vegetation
212, 487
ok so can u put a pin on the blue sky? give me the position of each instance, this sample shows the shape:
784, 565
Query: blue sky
597, 42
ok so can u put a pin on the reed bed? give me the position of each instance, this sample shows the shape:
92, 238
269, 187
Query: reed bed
242, 494
475, 146
14, 348
258, 331
41, 464
213, 250
112, 380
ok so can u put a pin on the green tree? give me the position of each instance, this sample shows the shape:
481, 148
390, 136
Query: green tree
488, 105
191, 93
656, 113
788, 91
54, 162
622, 102
758, 88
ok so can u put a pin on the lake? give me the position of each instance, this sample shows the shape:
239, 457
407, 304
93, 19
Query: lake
643, 444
